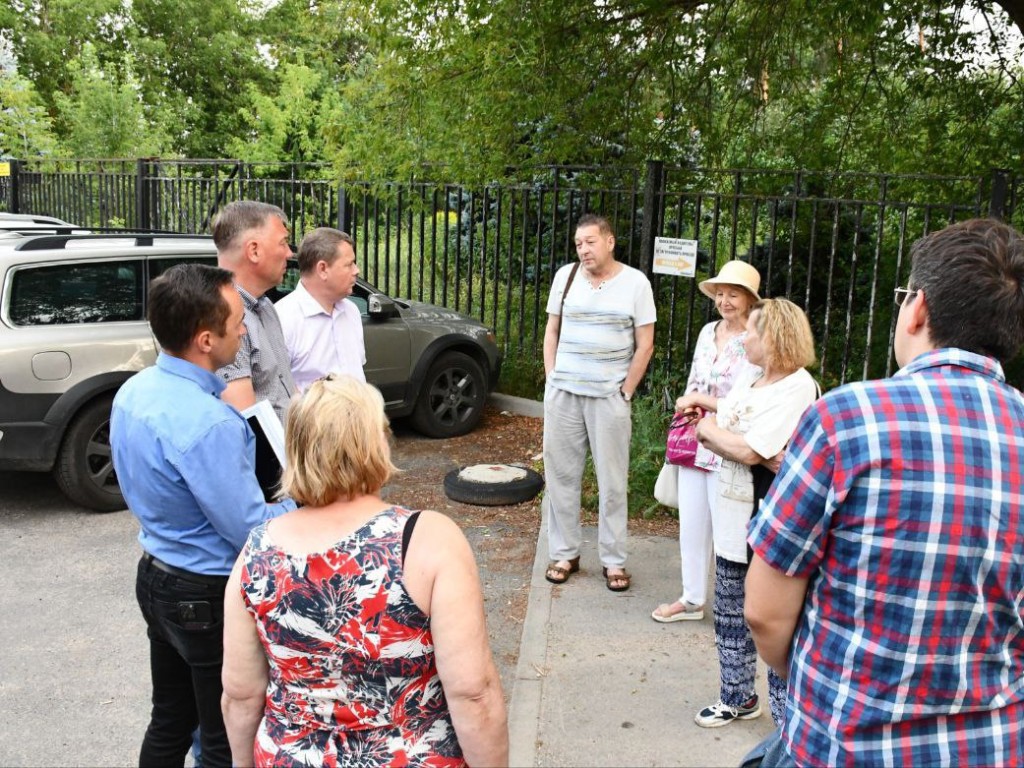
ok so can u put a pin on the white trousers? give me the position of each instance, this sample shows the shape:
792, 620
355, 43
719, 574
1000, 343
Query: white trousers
572, 423
697, 492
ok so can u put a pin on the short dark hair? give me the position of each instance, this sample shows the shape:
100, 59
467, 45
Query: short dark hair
239, 217
321, 245
185, 300
972, 275
593, 220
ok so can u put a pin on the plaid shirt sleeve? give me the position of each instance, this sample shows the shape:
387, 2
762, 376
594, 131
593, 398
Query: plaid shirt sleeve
789, 532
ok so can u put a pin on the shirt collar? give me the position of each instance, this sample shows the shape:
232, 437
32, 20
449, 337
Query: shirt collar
250, 302
206, 380
310, 306
986, 366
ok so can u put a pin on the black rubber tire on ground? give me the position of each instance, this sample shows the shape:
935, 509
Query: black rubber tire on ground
85, 469
493, 494
451, 399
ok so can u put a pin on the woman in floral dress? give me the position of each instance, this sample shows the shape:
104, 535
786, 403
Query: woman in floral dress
719, 357
354, 630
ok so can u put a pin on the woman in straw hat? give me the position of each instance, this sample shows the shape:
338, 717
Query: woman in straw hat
717, 360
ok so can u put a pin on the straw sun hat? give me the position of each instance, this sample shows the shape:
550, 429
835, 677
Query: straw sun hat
733, 273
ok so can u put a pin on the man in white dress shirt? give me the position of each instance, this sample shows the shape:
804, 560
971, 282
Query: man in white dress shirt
323, 328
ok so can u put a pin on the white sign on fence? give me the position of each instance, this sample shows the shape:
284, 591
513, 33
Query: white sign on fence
673, 256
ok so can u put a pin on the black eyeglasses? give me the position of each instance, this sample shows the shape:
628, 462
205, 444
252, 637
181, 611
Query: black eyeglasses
900, 295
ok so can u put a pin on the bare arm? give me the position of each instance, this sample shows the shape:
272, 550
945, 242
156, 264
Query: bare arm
239, 393
551, 342
772, 607
725, 443
441, 574
643, 338
244, 675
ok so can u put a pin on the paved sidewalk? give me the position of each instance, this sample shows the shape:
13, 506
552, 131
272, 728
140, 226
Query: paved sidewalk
600, 683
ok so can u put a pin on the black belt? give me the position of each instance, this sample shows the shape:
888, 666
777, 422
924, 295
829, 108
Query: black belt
199, 578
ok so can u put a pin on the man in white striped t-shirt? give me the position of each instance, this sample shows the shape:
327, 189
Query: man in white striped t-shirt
597, 344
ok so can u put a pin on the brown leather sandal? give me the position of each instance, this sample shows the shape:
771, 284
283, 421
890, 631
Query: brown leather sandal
556, 574
623, 579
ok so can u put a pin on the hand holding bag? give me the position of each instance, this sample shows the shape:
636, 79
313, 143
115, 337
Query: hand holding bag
681, 445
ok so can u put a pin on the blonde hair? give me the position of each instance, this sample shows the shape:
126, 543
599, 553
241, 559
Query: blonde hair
336, 442
785, 333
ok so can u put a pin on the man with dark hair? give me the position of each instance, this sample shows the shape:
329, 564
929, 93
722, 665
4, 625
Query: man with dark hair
598, 341
889, 554
322, 327
184, 461
252, 242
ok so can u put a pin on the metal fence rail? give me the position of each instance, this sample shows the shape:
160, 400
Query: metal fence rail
836, 244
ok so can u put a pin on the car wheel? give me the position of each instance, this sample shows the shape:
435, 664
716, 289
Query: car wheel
492, 485
85, 468
451, 399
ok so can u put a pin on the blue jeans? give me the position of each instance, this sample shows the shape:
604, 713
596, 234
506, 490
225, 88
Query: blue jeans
185, 623
770, 753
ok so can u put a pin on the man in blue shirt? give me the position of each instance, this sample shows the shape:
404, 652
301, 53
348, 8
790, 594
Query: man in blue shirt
185, 463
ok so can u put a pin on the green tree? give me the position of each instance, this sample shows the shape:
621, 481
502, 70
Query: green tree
481, 85
47, 35
199, 59
25, 129
286, 125
104, 114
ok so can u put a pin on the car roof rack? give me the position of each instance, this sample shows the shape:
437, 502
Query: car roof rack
60, 240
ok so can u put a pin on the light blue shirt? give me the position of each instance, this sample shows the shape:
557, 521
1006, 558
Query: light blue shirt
185, 463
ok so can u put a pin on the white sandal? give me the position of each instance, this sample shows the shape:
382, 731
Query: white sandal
689, 612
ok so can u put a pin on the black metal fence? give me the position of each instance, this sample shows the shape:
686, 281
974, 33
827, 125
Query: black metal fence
837, 244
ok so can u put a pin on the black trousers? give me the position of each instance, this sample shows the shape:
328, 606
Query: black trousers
184, 616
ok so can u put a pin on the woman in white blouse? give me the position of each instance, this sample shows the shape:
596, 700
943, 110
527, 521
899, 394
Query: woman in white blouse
749, 430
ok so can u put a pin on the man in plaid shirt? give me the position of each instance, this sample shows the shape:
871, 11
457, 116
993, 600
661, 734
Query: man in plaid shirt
888, 573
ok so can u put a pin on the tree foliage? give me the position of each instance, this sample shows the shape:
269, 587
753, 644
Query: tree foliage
386, 87
25, 129
831, 84
104, 114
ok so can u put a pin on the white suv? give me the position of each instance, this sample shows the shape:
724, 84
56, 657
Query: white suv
73, 329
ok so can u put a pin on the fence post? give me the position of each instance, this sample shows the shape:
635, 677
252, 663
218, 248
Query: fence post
142, 201
14, 190
1000, 189
651, 220
344, 209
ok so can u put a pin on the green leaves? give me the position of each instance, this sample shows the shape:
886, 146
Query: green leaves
25, 128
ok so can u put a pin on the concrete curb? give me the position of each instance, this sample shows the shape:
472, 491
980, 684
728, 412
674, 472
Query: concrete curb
518, 405
528, 688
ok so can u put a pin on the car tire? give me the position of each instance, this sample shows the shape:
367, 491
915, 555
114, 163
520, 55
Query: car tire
451, 399
492, 485
85, 468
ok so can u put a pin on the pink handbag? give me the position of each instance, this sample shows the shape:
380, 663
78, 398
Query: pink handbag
681, 445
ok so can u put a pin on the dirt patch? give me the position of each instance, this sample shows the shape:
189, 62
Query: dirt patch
504, 539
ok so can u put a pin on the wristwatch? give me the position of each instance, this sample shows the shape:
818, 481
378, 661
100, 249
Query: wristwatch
625, 396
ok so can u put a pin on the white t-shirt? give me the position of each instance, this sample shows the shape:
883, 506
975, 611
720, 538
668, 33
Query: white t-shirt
320, 343
596, 342
766, 417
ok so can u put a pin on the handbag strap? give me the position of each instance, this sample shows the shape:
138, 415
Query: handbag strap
565, 292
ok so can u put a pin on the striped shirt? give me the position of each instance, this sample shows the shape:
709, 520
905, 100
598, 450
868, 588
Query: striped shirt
902, 502
597, 340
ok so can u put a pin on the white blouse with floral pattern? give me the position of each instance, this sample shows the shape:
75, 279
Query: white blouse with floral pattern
714, 374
